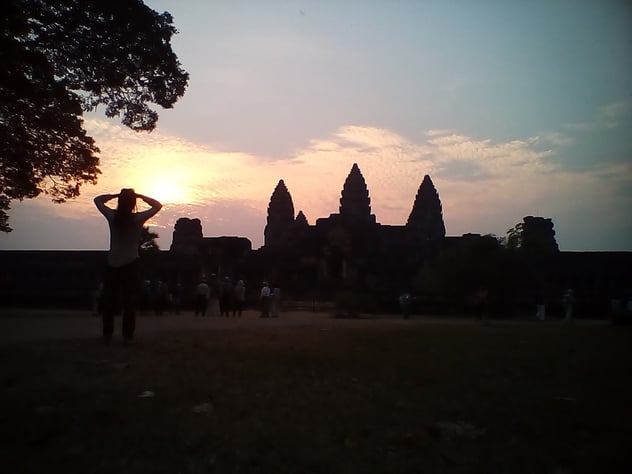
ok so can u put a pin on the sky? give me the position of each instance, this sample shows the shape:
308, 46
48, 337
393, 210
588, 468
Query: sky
513, 108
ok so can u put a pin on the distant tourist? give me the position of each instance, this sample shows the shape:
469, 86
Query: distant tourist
97, 300
275, 302
175, 293
239, 297
202, 293
481, 300
568, 301
540, 306
146, 296
226, 297
264, 298
161, 300
405, 300
122, 275
214, 292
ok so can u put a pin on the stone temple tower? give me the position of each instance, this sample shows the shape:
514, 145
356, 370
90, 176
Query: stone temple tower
355, 203
280, 217
426, 218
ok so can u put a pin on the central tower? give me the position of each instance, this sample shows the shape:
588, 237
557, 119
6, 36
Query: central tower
355, 203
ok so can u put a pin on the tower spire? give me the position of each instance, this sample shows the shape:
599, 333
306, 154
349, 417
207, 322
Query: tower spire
426, 217
280, 215
355, 203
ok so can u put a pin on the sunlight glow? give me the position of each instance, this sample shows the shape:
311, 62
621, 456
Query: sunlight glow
167, 190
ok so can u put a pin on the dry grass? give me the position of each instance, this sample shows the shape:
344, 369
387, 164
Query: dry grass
539, 398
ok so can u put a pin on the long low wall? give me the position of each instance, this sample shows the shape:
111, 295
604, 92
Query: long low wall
70, 279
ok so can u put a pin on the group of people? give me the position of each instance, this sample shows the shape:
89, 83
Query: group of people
568, 305
219, 298
161, 297
270, 298
222, 298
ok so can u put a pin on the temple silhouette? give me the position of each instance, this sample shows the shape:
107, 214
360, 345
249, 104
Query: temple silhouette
346, 256
348, 249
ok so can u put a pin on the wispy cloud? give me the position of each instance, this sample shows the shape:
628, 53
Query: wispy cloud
486, 186
609, 116
484, 157
438, 131
555, 138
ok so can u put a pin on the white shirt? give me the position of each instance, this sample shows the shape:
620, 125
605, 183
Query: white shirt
265, 291
124, 241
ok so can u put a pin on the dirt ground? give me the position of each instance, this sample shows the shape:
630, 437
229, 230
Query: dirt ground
24, 325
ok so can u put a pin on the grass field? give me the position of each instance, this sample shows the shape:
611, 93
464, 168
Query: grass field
376, 398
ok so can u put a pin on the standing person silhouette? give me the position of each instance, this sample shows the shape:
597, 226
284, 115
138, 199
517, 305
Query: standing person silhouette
122, 275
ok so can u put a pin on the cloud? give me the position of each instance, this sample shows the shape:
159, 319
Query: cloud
470, 174
486, 186
609, 116
435, 132
581, 126
453, 153
555, 138
612, 115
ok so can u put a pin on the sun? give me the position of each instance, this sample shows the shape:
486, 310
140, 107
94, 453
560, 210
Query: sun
167, 189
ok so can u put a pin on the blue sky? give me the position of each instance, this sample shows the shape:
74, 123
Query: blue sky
514, 108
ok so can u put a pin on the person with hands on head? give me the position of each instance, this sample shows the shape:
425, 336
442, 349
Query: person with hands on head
122, 275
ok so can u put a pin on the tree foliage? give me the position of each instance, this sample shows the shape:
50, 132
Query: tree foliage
148, 242
61, 58
464, 268
533, 235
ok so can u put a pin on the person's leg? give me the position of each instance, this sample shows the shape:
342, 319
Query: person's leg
110, 293
266, 307
130, 280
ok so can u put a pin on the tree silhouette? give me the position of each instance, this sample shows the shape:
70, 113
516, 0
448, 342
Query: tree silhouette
148, 242
61, 58
476, 262
533, 235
